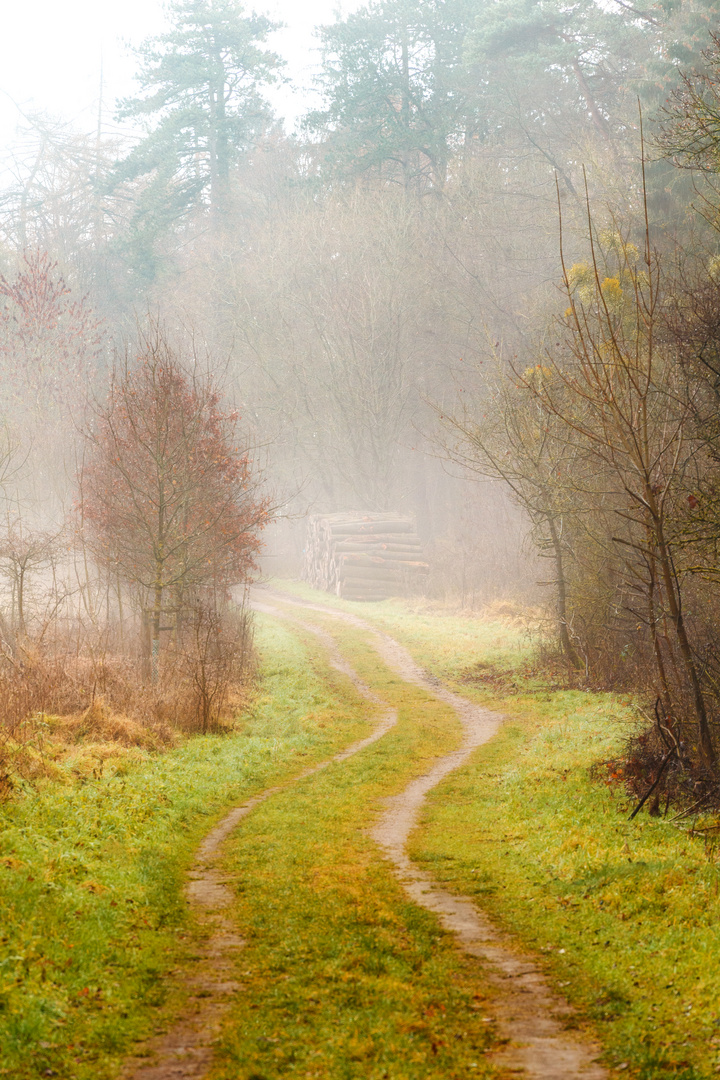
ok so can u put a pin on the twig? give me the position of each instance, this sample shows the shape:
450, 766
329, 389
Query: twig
686, 813
648, 793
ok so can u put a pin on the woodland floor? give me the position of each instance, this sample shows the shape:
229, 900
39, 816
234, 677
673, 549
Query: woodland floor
438, 890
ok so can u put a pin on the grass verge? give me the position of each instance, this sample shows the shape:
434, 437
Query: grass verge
623, 915
92, 911
344, 978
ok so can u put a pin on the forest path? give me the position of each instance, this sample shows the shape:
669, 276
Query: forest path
530, 1015
185, 1052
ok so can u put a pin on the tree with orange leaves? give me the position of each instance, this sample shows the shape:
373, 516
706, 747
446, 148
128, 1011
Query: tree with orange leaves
50, 339
168, 500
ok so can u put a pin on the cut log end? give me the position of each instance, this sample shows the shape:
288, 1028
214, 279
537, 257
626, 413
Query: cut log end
363, 556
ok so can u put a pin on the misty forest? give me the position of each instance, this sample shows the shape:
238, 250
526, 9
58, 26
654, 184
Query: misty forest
360, 553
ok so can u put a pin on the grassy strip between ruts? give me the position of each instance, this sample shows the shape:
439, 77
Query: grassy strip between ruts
625, 915
92, 912
343, 977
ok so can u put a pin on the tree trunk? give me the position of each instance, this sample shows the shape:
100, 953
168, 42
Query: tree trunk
567, 646
405, 106
155, 635
676, 617
219, 150
145, 647
597, 117
21, 602
665, 695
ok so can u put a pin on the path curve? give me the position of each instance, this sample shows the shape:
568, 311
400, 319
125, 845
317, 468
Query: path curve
528, 1012
185, 1051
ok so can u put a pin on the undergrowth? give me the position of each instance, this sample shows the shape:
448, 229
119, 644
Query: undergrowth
73, 702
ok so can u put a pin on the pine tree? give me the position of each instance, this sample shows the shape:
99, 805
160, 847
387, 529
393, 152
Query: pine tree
684, 33
552, 66
200, 99
399, 97
682, 67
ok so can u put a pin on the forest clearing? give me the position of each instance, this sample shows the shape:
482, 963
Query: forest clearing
328, 968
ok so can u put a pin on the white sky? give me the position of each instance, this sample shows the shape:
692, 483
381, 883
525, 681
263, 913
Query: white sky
50, 54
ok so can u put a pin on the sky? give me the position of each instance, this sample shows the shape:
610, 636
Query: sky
51, 53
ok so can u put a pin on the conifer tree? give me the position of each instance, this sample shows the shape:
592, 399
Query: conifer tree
398, 95
200, 100
561, 65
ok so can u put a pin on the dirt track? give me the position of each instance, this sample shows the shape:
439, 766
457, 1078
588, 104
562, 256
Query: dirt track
528, 1014
185, 1052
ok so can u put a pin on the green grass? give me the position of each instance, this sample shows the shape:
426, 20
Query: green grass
447, 645
344, 977
92, 912
624, 915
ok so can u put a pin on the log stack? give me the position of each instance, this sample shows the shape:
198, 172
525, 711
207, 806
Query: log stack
364, 556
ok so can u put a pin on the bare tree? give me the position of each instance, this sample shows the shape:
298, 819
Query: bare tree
622, 397
508, 433
24, 554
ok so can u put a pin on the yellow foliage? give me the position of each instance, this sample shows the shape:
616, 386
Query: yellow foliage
612, 240
580, 275
538, 373
612, 292
581, 279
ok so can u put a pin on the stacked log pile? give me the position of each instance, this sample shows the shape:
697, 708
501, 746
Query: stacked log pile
364, 556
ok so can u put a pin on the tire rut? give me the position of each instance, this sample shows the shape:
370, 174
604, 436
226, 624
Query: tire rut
530, 1016
185, 1052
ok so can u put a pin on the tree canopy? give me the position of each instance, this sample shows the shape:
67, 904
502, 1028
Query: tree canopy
399, 96
200, 100
166, 494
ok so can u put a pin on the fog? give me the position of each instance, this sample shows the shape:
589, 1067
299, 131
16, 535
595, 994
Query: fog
408, 262
53, 57
359, 516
